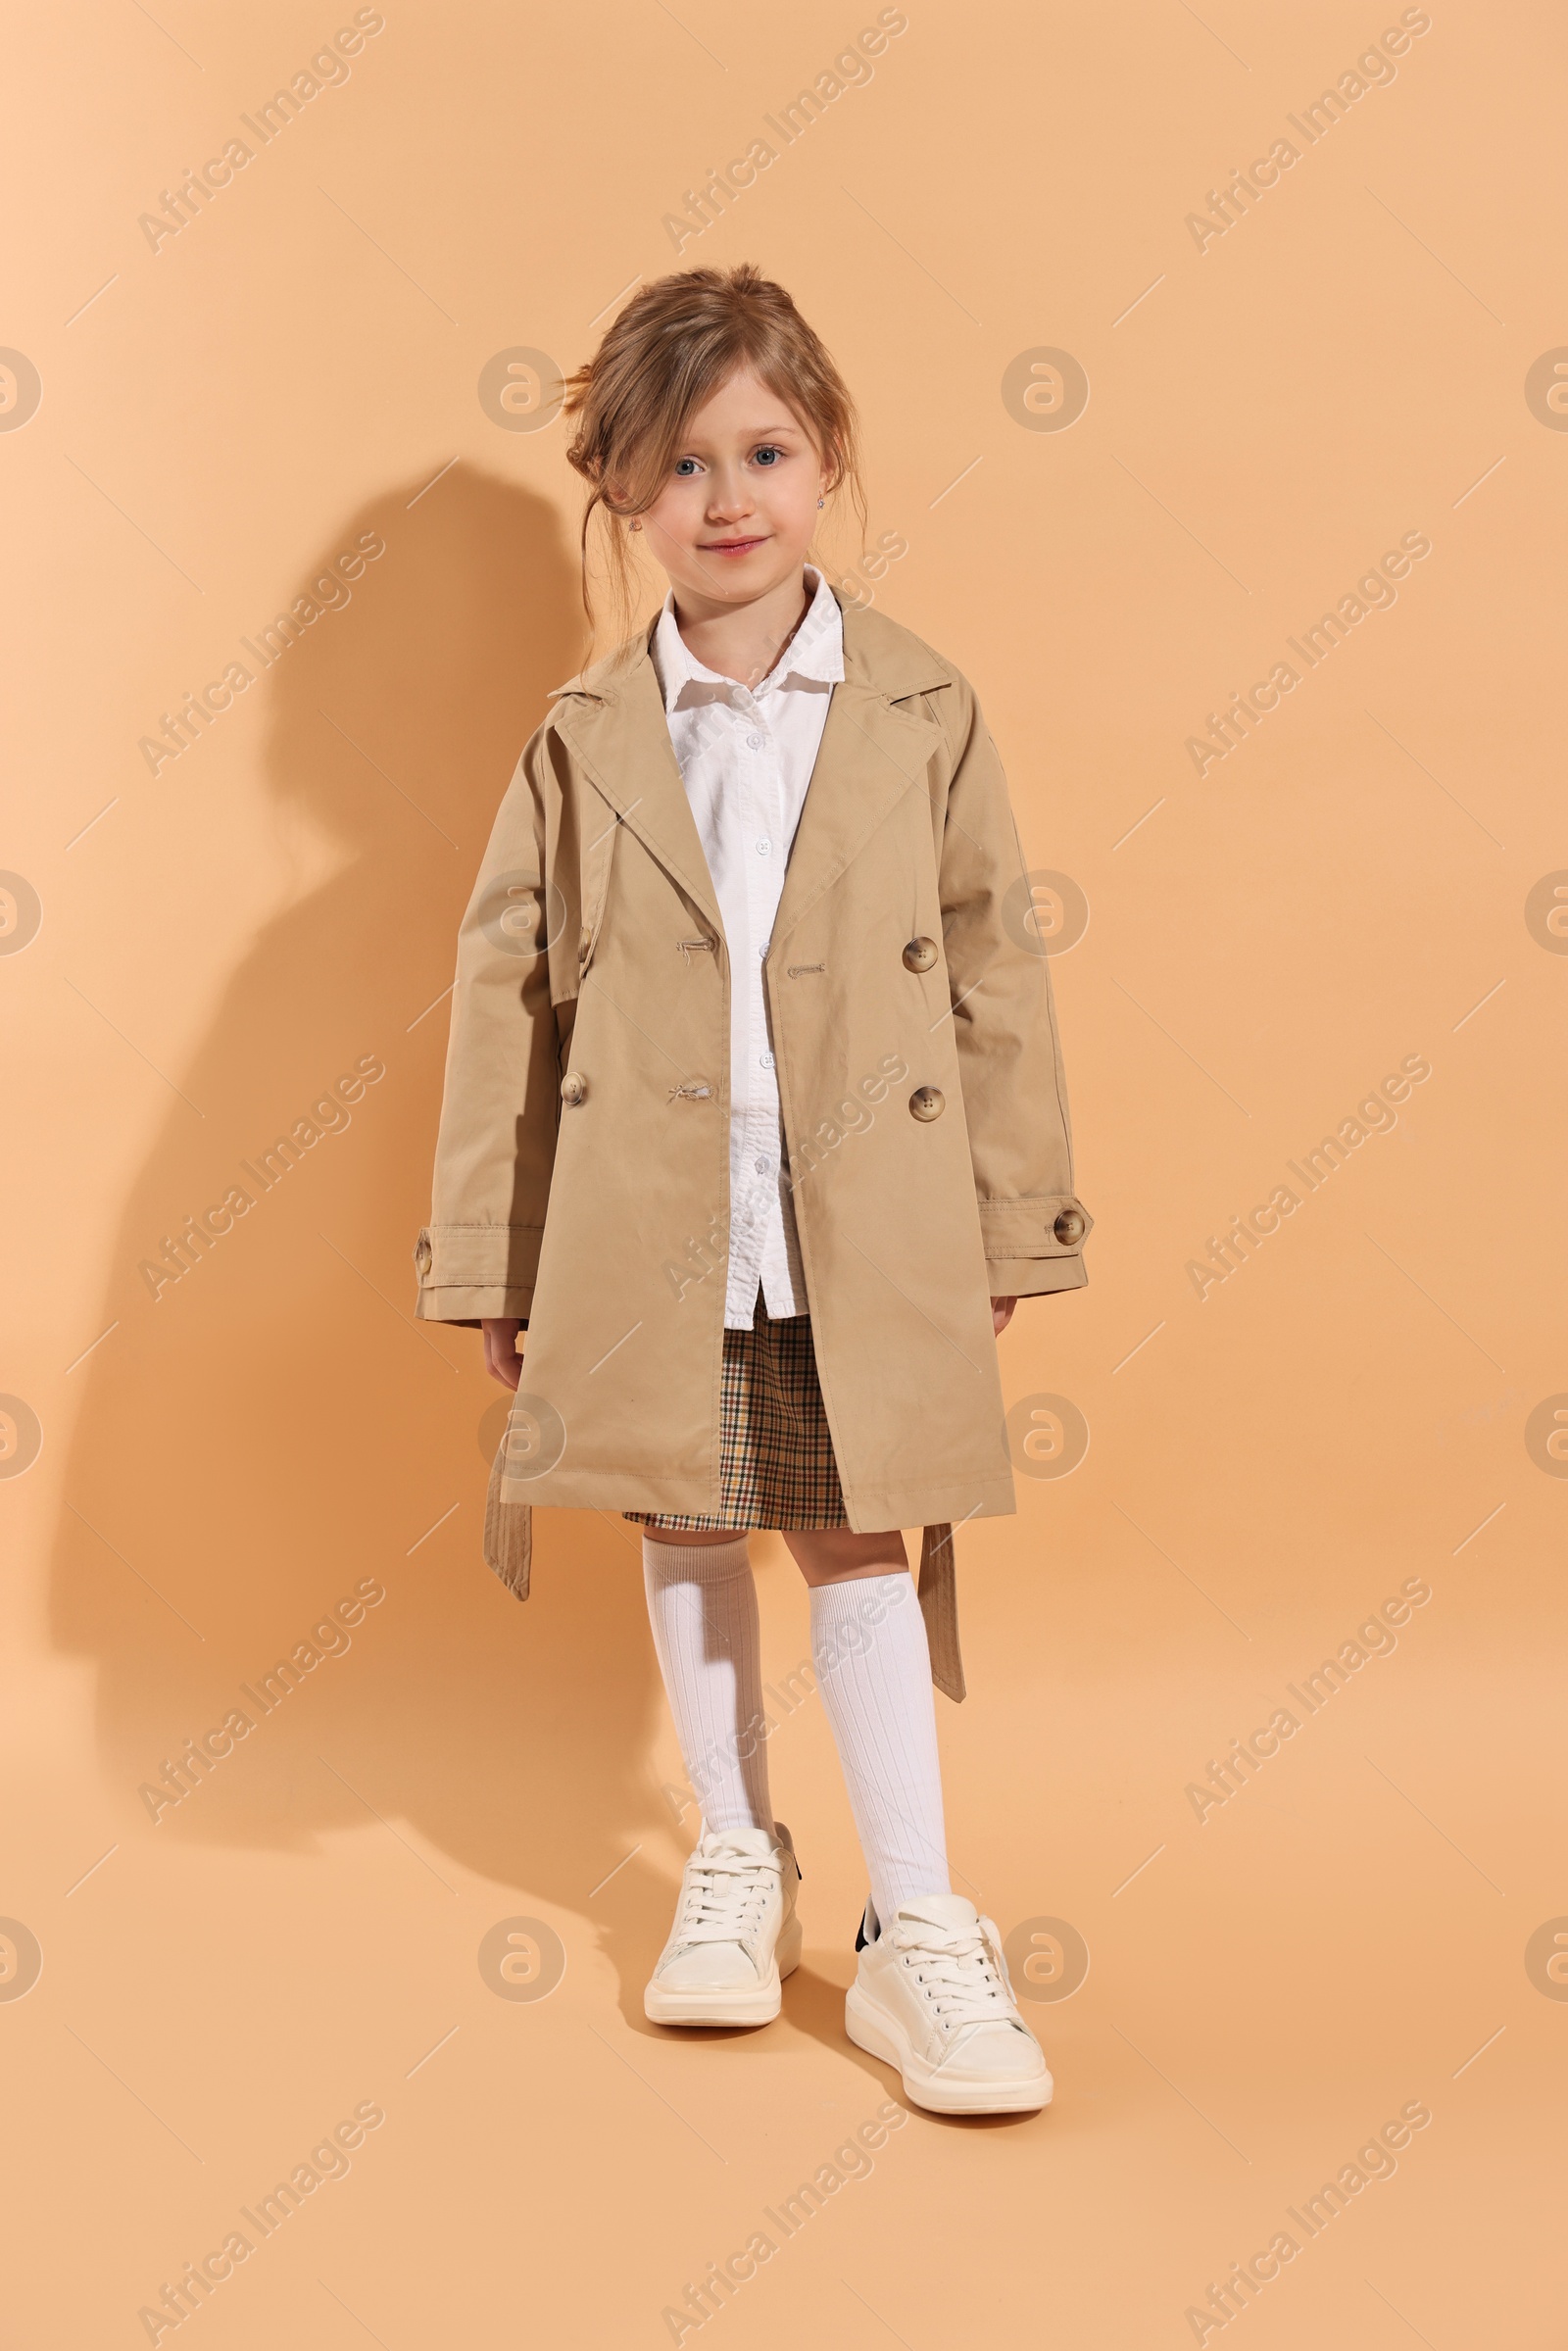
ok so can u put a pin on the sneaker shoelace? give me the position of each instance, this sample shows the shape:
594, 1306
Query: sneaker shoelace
724, 1895
962, 1973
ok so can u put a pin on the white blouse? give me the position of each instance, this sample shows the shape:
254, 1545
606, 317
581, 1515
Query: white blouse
746, 757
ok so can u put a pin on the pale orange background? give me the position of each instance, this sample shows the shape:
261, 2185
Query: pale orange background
220, 418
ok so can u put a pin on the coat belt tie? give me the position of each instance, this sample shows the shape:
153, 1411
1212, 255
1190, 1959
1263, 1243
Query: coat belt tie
939, 1606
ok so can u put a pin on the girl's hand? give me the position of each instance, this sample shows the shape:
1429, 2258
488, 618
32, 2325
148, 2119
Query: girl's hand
500, 1359
1000, 1314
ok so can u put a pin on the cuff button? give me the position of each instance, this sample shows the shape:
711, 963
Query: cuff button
1069, 1227
422, 1253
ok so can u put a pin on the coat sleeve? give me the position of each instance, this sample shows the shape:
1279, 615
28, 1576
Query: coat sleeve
501, 1106
1005, 1022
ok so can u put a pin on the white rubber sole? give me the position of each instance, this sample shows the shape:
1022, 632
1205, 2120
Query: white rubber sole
870, 2028
711, 2004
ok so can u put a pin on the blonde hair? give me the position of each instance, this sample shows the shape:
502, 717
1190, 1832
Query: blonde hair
673, 346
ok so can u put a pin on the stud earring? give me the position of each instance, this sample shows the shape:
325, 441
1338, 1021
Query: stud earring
819, 502
636, 527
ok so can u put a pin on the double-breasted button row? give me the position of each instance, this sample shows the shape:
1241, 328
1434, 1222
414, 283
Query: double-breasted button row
926, 1101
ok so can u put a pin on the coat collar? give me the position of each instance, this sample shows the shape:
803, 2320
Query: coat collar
816, 652
613, 717
877, 654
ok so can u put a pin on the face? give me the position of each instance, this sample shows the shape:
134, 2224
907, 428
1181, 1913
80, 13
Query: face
735, 518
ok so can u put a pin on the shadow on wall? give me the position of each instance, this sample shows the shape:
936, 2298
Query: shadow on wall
274, 1430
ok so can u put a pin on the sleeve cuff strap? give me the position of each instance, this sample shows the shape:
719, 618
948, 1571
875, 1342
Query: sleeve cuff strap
465, 1261
1054, 1224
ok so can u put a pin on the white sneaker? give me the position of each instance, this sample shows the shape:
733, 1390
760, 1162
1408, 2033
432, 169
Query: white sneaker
735, 1935
933, 1998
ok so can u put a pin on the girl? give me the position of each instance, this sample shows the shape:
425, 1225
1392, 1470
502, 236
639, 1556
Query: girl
755, 1122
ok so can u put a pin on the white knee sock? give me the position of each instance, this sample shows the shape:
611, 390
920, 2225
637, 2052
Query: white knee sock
702, 1604
873, 1668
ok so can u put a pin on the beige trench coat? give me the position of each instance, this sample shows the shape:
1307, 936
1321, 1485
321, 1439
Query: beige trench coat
582, 1166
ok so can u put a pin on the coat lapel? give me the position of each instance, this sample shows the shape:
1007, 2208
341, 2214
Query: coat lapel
614, 720
872, 753
871, 756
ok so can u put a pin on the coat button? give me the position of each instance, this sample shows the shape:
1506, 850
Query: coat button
421, 1252
1069, 1227
574, 1088
919, 954
927, 1102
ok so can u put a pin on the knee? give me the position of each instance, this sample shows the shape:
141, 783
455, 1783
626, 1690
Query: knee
836, 1554
695, 1556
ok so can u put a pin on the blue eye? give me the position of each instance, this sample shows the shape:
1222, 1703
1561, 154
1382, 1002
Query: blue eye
769, 450
684, 461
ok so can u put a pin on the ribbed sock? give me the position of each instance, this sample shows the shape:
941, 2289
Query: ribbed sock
874, 1669
702, 1604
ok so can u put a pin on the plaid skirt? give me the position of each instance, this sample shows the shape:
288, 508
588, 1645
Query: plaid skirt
776, 1454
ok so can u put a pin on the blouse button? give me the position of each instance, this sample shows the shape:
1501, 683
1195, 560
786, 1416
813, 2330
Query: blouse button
574, 1088
919, 954
927, 1102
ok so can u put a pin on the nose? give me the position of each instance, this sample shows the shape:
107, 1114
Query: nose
727, 494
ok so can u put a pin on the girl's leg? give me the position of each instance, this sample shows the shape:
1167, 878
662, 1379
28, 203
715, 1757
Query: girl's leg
930, 1993
873, 1668
702, 1604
